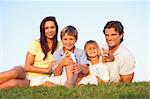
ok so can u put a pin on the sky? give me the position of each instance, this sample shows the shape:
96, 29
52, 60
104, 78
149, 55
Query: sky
20, 21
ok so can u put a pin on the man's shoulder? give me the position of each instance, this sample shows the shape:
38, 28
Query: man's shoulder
124, 50
125, 53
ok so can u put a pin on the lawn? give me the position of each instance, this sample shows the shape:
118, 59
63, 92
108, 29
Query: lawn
136, 90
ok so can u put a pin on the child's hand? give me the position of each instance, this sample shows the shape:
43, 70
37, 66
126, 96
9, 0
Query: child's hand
76, 68
111, 57
67, 60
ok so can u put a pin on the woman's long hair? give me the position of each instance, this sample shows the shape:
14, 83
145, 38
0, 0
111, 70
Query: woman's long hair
43, 40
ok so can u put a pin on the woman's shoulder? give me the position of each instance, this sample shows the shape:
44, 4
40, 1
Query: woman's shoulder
35, 42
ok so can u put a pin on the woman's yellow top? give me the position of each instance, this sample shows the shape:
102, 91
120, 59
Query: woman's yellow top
35, 49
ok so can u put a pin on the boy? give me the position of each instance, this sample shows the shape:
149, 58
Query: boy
71, 61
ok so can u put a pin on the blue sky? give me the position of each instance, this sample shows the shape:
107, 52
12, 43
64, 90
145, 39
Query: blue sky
20, 20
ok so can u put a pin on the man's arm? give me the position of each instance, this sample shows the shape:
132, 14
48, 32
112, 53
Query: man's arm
126, 78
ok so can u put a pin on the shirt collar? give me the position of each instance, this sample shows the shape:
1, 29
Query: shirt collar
119, 49
62, 51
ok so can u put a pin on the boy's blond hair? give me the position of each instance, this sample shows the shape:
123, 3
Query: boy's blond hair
70, 30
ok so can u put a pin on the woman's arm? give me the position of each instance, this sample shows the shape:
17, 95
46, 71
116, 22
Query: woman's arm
30, 58
57, 71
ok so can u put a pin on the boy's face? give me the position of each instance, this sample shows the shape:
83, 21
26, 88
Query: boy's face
68, 42
92, 50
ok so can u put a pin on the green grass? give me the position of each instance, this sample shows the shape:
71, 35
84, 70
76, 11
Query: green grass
136, 90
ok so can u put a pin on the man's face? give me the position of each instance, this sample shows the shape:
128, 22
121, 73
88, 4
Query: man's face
112, 37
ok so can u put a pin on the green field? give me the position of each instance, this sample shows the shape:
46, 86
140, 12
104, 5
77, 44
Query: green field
136, 90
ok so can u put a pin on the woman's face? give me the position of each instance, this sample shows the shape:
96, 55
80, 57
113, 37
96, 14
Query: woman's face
50, 29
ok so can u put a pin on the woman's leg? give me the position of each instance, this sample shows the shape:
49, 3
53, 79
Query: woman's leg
14, 83
16, 72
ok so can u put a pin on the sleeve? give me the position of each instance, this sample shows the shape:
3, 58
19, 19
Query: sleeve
33, 47
57, 56
127, 64
83, 58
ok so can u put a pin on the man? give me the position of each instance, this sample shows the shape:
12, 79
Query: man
122, 68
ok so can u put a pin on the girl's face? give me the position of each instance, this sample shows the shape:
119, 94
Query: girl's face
68, 42
92, 50
50, 29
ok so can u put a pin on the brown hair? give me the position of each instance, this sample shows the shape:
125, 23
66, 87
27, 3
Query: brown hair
116, 25
43, 40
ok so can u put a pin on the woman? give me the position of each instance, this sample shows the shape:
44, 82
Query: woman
39, 58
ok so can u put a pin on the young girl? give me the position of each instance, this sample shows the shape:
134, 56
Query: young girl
98, 69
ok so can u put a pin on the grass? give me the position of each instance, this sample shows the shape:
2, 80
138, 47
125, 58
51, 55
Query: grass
136, 90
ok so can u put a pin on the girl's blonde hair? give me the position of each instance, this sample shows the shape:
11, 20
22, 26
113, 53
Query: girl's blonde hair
92, 42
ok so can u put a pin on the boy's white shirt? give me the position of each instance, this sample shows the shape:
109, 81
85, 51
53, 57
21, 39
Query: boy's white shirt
100, 70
